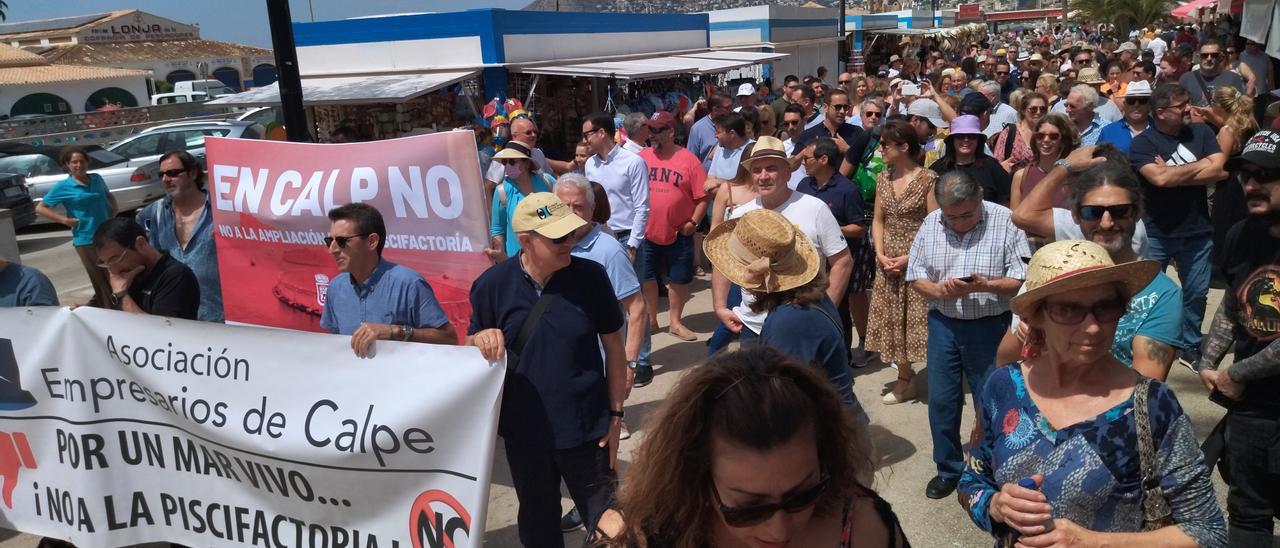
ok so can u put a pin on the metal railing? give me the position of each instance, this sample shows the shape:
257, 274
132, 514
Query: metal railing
101, 127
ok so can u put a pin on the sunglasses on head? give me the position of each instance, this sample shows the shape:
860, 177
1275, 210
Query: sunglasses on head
746, 516
1119, 212
1109, 310
343, 240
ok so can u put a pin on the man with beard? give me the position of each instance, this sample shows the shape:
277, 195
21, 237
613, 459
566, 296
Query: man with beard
1200, 84
1248, 323
1107, 210
850, 139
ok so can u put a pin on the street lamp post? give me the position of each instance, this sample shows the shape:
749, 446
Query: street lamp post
289, 80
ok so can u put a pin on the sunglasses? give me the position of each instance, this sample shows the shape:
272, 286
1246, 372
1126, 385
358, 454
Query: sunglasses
1084, 61
1002, 73
871, 114
844, 82
1037, 110
171, 173
1046, 136
1260, 175
1178, 106
1136, 100
1119, 212
657, 129
746, 516
1212, 55
1109, 310
343, 240
841, 108
561, 240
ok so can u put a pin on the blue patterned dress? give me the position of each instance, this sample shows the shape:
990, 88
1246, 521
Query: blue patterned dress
1091, 468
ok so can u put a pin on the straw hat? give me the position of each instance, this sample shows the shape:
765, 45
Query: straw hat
1068, 265
513, 150
762, 251
1090, 75
767, 146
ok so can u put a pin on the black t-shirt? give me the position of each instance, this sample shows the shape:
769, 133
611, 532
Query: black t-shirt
1251, 265
169, 289
1182, 211
995, 181
556, 395
855, 136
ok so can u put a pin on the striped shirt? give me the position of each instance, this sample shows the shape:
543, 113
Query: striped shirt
992, 249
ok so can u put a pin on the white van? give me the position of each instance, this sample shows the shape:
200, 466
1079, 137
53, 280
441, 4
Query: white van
183, 97
215, 88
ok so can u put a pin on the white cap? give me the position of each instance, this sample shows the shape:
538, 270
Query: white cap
928, 109
746, 89
1138, 88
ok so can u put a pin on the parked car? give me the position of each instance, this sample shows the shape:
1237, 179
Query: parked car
15, 197
132, 186
215, 88
261, 115
183, 97
152, 143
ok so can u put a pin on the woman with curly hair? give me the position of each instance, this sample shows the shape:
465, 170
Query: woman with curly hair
1053, 139
697, 479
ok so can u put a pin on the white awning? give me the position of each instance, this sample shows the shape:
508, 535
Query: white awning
351, 90
709, 62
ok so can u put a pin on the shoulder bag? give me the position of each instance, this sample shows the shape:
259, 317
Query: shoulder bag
1155, 507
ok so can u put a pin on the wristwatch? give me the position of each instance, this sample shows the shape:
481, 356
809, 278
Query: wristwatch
632, 364
406, 332
613, 413
1064, 163
117, 295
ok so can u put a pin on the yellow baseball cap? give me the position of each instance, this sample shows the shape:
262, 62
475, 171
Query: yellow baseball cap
544, 213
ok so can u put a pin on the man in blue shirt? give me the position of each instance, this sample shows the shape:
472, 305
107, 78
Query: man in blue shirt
373, 298
1137, 117
561, 406
181, 224
702, 135
24, 286
1175, 161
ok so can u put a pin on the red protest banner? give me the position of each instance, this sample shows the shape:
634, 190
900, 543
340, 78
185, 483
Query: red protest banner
270, 204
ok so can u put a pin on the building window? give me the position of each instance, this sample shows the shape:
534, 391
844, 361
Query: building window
110, 96
40, 103
180, 76
228, 76
264, 75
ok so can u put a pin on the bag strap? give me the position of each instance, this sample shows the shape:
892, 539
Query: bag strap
502, 195
1204, 85
1009, 136
1155, 508
531, 322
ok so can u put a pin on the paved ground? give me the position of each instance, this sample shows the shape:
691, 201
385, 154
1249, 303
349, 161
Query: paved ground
900, 432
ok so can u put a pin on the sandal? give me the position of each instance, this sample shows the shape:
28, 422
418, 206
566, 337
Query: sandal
908, 394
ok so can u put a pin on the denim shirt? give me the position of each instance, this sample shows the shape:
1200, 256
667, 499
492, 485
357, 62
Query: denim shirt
200, 255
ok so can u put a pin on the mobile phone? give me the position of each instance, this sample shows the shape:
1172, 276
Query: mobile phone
910, 90
966, 279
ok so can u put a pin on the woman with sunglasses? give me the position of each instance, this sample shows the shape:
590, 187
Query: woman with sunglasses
1012, 146
86, 203
522, 178
965, 153
896, 327
1053, 139
1077, 448
697, 479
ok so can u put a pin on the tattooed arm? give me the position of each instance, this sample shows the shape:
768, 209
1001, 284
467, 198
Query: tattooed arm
1222, 334
1264, 364
1152, 358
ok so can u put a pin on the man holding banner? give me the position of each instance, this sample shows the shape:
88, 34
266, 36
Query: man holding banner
561, 407
374, 298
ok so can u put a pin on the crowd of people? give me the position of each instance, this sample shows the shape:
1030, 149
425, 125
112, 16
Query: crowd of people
1003, 218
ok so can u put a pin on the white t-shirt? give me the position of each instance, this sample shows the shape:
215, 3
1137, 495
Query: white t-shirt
799, 173
497, 172
814, 218
1158, 47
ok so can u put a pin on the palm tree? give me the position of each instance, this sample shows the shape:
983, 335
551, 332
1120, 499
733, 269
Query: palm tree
1125, 14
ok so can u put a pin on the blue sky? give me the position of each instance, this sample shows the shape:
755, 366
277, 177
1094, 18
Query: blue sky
242, 21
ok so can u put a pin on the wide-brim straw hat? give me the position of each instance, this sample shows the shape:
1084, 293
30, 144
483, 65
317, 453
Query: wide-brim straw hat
1069, 265
513, 150
762, 251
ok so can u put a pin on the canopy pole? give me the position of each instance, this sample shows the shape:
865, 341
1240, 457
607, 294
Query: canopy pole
289, 79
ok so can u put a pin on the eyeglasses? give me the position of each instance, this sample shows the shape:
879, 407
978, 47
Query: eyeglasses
1109, 310
1259, 175
343, 240
871, 114
746, 516
1046, 136
589, 132
171, 173
1037, 110
1178, 106
1119, 212
114, 260
1131, 101
841, 108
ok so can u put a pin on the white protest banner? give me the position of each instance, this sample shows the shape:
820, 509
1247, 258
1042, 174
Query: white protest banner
118, 429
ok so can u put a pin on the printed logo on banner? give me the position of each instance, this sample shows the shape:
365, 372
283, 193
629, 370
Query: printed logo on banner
429, 527
322, 288
15, 452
